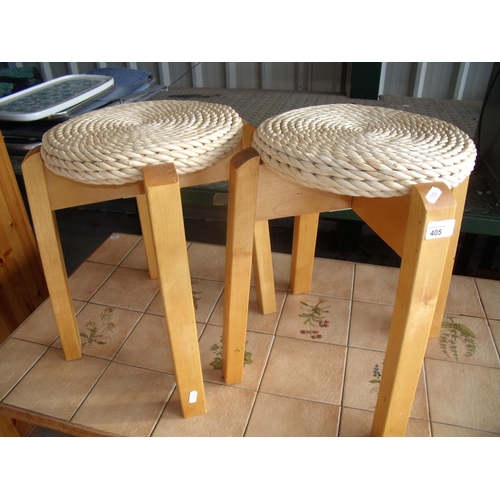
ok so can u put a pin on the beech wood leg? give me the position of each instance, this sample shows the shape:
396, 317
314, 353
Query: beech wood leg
305, 231
420, 279
165, 210
263, 268
147, 235
460, 194
243, 179
49, 244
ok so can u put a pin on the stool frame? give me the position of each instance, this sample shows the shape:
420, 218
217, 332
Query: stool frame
424, 281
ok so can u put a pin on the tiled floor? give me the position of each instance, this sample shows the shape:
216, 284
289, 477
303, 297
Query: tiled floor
314, 366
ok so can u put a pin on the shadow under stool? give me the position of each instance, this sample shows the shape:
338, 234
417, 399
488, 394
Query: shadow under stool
147, 150
405, 175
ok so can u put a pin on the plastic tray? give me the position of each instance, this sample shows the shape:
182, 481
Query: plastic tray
52, 97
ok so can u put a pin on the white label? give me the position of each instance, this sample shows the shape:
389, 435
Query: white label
433, 195
440, 229
193, 396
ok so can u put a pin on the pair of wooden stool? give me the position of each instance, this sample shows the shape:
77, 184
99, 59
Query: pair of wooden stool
404, 174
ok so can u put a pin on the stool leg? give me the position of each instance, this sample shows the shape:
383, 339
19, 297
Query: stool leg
49, 244
263, 268
147, 235
460, 194
165, 209
243, 179
422, 267
305, 231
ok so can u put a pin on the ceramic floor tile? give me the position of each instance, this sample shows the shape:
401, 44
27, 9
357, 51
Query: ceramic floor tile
41, 326
57, 387
463, 297
257, 348
278, 416
136, 258
114, 249
87, 279
333, 278
495, 330
362, 382
375, 284
358, 423
127, 289
207, 261
315, 317
370, 325
464, 339
305, 369
103, 330
257, 322
464, 395
126, 401
206, 293
228, 411
281, 271
443, 430
489, 291
148, 345
16, 358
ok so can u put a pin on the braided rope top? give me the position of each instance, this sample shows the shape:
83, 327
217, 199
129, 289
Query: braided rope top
358, 150
111, 145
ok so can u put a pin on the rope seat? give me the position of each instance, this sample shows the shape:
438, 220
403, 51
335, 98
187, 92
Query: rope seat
366, 151
111, 145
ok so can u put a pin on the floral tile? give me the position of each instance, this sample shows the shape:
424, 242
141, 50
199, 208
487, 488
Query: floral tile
464, 339
148, 345
315, 317
103, 330
87, 279
370, 325
206, 293
464, 395
127, 401
443, 430
489, 291
463, 297
358, 423
136, 258
127, 289
41, 326
375, 284
362, 382
114, 249
57, 387
207, 261
228, 411
305, 369
16, 359
257, 322
257, 353
278, 416
333, 278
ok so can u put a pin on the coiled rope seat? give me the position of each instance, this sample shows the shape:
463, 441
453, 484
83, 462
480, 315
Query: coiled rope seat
367, 151
111, 145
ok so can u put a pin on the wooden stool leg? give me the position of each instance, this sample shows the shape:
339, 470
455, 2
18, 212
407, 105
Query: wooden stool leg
422, 267
165, 209
263, 268
305, 231
460, 194
147, 235
243, 179
49, 244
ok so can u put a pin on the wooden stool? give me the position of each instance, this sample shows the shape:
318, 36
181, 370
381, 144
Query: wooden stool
135, 150
405, 175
